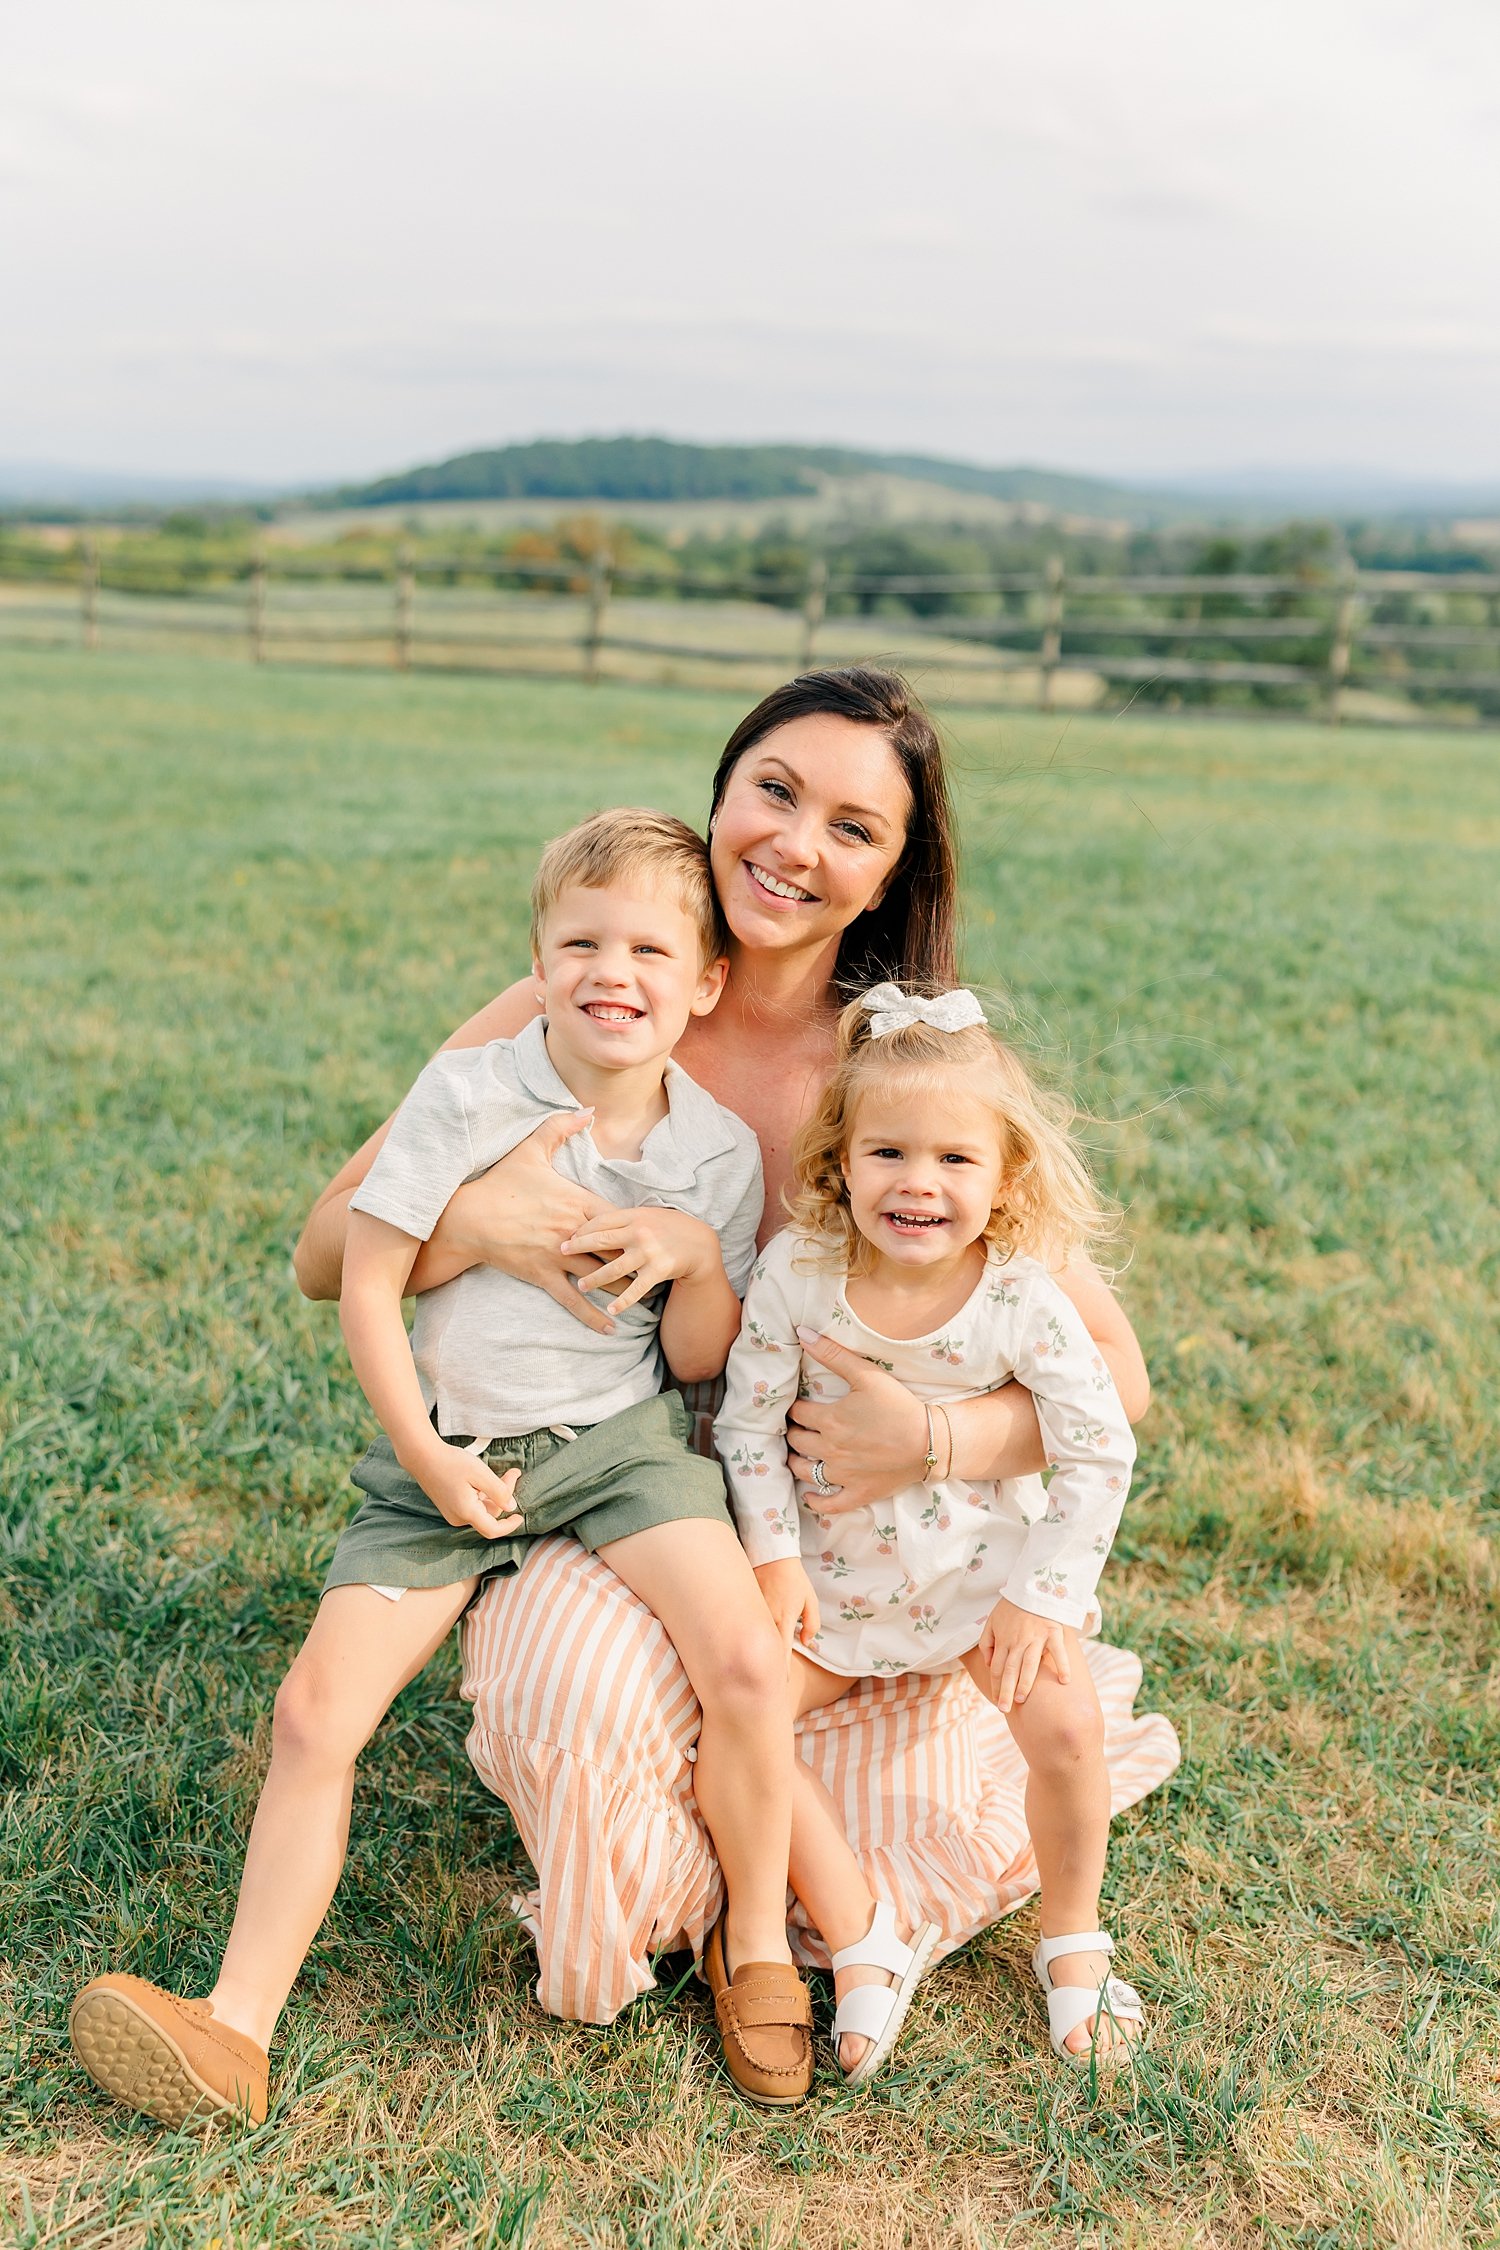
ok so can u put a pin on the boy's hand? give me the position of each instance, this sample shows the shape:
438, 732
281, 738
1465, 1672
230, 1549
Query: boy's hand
1014, 1645
465, 1490
788, 1595
643, 1248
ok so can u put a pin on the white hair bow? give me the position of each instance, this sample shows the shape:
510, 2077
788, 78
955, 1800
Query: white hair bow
891, 1009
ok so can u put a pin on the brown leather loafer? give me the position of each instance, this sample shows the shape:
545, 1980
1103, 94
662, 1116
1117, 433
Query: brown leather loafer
764, 2016
166, 2056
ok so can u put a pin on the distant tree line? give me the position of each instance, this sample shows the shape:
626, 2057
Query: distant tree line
186, 552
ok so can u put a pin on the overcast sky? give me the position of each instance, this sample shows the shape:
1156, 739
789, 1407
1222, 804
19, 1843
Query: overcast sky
304, 239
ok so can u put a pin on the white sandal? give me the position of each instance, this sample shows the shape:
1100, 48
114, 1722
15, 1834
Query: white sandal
877, 2011
1069, 2005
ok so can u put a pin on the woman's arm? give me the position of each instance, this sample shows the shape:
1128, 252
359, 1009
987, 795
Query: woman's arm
515, 1215
874, 1440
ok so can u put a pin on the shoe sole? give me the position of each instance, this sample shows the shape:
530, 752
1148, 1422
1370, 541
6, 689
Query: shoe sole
129, 2054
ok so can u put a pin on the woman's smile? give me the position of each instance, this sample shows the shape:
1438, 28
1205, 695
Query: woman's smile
779, 887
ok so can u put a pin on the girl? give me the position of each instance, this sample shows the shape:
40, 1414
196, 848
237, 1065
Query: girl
933, 1186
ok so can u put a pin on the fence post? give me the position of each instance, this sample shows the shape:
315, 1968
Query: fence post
406, 586
258, 604
1341, 647
598, 603
814, 603
1052, 621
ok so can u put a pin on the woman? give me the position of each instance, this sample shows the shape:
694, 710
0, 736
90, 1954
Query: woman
831, 841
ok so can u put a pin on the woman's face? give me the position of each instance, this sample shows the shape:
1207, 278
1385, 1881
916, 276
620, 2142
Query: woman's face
808, 833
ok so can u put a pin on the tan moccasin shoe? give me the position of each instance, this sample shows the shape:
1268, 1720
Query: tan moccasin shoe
764, 2016
166, 2056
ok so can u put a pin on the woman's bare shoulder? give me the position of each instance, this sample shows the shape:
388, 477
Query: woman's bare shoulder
501, 1018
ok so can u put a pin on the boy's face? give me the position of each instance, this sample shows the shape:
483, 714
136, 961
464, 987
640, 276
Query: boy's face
621, 971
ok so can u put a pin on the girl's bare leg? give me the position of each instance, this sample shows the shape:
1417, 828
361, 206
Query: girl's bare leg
826, 1876
361, 1652
1059, 1731
695, 1577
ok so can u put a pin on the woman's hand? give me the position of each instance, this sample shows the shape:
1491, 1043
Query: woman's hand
870, 1442
641, 1248
515, 1216
788, 1595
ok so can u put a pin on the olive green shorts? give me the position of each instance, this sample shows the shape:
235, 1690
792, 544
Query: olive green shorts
610, 1480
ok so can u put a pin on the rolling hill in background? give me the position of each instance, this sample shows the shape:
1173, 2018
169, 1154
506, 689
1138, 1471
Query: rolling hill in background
655, 469
802, 485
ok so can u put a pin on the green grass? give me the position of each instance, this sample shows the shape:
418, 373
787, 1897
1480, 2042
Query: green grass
237, 911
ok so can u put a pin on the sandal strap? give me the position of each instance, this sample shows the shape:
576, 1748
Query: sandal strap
879, 1948
1078, 1941
1069, 2005
865, 2011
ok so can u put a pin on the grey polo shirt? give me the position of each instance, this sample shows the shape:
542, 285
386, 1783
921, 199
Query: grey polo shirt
497, 1356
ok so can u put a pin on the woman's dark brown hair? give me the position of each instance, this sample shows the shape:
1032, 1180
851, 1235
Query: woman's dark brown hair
911, 937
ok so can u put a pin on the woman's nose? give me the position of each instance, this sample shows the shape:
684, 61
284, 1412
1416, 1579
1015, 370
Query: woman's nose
799, 842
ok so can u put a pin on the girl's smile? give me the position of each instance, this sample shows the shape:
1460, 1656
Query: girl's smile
922, 1176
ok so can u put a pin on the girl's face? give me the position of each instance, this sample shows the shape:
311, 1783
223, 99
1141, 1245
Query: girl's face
808, 832
923, 1171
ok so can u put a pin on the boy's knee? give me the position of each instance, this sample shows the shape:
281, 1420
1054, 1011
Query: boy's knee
745, 1672
307, 1723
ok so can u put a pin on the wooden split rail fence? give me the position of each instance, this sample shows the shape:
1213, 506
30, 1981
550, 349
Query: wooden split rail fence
1419, 639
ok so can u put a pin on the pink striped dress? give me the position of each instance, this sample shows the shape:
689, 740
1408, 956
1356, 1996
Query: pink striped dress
584, 1723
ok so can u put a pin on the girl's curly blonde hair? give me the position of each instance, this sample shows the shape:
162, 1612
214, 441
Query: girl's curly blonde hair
1048, 1204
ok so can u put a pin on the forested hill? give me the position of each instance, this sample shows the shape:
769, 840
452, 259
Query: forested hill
656, 468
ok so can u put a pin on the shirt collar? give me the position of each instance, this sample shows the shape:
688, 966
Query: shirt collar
675, 1150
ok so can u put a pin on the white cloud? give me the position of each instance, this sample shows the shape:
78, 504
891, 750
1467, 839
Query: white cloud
314, 237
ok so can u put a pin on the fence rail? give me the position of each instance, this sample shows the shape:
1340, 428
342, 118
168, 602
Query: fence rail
1384, 644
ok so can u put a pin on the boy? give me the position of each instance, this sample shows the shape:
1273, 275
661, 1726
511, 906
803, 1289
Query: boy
503, 1418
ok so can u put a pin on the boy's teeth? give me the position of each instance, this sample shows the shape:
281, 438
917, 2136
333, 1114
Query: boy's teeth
781, 890
613, 1015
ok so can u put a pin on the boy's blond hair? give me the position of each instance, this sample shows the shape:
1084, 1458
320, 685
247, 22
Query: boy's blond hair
631, 840
1048, 1203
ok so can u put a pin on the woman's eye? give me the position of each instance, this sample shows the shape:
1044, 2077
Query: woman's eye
852, 828
778, 790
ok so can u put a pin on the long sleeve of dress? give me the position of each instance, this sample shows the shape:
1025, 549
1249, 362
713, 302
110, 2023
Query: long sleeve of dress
760, 1384
1088, 1442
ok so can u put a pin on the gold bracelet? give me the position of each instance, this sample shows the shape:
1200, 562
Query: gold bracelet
948, 1426
930, 1463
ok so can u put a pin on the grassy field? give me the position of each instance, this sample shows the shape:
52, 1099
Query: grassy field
237, 910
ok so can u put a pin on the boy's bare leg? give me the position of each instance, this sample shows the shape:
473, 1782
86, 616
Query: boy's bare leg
826, 1875
361, 1652
695, 1577
1059, 1731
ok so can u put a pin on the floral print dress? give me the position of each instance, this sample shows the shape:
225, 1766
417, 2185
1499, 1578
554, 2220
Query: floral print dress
907, 1585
